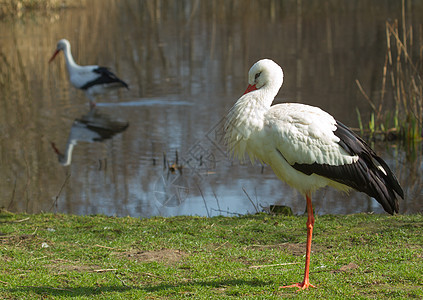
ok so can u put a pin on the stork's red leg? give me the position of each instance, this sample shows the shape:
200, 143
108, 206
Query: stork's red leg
310, 223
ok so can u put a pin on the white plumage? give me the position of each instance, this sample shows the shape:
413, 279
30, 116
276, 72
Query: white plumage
305, 146
286, 134
94, 80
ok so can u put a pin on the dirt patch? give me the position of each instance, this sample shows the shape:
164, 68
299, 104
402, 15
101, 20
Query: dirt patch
17, 240
6, 258
169, 256
297, 249
62, 265
346, 268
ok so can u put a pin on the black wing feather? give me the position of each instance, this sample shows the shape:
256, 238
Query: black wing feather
106, 77
364, 175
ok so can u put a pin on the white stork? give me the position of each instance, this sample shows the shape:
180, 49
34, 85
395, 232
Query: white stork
94, 80
305, 146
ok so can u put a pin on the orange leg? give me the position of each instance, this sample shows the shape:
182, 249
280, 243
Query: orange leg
310, 222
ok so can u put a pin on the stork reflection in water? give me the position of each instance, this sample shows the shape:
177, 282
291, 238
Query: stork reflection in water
92, 127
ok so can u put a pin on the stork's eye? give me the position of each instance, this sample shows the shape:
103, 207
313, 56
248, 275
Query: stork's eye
257, 75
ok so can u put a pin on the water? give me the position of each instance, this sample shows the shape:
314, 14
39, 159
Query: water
186, 63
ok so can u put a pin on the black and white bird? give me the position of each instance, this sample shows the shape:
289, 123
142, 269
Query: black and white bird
94, 80
305, 146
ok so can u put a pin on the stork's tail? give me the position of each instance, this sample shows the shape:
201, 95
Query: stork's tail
378, 180
383, 185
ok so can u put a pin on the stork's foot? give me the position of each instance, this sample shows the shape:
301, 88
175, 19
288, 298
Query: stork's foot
300, 285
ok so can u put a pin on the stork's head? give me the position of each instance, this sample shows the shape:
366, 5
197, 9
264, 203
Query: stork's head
61, 46
265, 74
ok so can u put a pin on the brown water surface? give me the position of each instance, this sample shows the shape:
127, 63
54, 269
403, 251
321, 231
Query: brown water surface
186, 63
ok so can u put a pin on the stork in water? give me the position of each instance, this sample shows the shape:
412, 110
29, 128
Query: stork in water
94, 80
305, 146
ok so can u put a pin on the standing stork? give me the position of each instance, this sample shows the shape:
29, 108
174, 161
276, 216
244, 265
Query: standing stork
305, 146
94, 80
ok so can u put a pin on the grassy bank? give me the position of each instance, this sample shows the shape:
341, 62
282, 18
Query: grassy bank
59, 256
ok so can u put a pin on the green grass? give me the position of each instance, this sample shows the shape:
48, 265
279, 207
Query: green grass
360, 256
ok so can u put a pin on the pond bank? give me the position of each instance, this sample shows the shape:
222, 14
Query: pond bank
57, 255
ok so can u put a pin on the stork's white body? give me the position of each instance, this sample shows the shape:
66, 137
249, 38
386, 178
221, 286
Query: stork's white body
284, 134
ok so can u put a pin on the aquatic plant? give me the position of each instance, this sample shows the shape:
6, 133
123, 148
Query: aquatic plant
402, 72
18, 8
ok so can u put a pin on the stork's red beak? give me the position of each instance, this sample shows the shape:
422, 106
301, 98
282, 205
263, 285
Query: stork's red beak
54, 55
250, 88
55, 149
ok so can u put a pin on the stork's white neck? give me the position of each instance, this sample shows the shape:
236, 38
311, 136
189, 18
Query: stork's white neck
66, 158
249, 111
262, 98
244, 120
70, 62
247, 117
